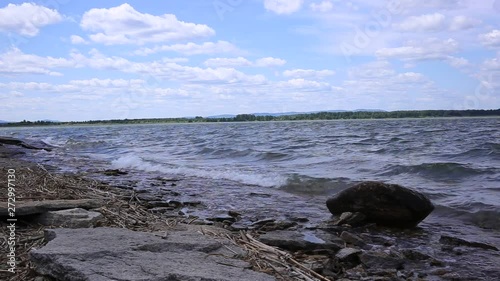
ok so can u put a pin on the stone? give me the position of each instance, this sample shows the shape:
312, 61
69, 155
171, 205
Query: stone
352, 239
157, 204
294, 241
114, 172
347, 254
25, 208
222, 218
70, 218
455, 241
107, 254
37, 145
352, 219
385, 204
415, 255
379, 260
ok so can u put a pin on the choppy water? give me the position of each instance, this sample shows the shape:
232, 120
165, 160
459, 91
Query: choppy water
456, 162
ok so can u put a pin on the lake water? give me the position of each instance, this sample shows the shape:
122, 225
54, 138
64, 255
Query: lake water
287, 170
297, 165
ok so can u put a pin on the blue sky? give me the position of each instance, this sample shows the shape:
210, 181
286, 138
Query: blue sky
83, 60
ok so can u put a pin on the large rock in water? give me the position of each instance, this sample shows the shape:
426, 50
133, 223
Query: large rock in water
384, 204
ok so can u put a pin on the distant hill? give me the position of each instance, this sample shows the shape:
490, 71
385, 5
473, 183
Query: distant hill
295, 113
3, 121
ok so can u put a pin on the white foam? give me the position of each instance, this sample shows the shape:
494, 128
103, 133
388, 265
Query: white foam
51, 141
246, 177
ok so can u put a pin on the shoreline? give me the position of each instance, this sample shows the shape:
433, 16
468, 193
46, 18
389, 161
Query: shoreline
74, 124
419, 255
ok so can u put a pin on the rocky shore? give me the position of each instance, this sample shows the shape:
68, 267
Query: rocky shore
76, 228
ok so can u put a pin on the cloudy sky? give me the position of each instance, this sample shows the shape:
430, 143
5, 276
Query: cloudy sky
81, 60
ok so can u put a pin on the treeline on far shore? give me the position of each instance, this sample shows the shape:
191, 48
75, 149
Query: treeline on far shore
294, 117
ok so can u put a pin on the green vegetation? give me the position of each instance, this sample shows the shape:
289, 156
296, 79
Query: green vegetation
296, 117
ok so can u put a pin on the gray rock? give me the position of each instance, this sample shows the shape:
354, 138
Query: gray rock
374, 259
106, 254
70, 218
413, 254
347, 253
39, 207
353, 219
294, 241
384, 204
37, 145
353, 239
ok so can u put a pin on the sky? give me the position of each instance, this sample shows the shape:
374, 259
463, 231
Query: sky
71, 60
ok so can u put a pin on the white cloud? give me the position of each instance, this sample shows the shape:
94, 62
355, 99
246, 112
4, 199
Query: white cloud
118, 83
191, 48
124, 25
27, 18
308, 73
433, 4
269, 61
75, 39
303, 85
322, 7
14, 61
283, 7
429, 49
491, 39
241, 61
458, 62
463, 23
428, 22
227, 62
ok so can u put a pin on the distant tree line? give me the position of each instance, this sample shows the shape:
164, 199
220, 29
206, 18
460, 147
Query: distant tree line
295, 117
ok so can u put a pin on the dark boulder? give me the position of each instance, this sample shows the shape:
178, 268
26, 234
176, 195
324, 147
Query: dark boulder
384, 204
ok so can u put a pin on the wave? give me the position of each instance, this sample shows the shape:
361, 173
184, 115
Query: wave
302, 184
231, 174
446, 170
488, 217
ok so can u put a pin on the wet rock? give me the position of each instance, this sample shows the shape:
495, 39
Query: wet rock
294, 241
108, 254
37, 145
157, 204
455, 241
356, 273
348, 254
352, 219
24, 208
299, 219
384, 204
71, 218
375, 259
263, 221
234, 214
279, 225
114, 172
175, 203
191, 203
352, 239
222, 218
415, 255
263, 195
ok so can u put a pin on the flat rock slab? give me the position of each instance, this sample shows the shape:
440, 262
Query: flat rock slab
70, 218
38, 145
294, 241
39, 207
106, 254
